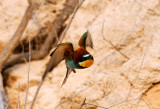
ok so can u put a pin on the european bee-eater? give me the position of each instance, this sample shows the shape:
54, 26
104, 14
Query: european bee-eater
75, 59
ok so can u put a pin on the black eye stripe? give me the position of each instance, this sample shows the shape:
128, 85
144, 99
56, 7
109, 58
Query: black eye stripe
85, 57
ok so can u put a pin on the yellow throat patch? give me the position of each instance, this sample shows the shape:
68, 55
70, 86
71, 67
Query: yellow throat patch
86, 63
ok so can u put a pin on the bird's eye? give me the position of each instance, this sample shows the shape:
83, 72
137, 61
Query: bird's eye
86, 57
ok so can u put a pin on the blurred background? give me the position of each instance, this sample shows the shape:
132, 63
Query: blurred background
126, 37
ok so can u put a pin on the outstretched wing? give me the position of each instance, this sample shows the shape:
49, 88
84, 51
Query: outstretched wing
86, 40
63, 51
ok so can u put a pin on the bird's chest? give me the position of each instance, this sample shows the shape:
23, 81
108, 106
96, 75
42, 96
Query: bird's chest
72, 64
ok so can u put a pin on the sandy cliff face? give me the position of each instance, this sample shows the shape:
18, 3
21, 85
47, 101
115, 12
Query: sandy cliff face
132, 74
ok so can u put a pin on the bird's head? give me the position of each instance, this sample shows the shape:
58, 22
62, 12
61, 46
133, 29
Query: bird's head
86, 60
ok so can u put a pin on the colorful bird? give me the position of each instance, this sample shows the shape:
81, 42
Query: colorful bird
75, 59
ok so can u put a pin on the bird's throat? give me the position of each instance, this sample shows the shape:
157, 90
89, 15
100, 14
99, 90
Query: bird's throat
86, 63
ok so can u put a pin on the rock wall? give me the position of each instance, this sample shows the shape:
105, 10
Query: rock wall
126, 36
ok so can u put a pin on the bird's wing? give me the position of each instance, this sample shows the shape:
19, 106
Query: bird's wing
86, 40
69, 70
63, 51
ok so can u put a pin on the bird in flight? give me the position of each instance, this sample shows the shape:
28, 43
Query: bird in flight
79, 58
75, 59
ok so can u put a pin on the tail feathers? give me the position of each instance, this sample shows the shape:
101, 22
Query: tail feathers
69, 70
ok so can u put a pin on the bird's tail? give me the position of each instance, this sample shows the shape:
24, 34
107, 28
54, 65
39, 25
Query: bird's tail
69, 70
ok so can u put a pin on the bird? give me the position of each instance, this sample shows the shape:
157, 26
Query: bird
79, 58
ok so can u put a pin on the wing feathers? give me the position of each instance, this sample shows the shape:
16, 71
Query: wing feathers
86, 40
89, 41
63, 51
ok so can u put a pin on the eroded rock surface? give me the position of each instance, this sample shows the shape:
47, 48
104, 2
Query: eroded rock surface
132, 26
